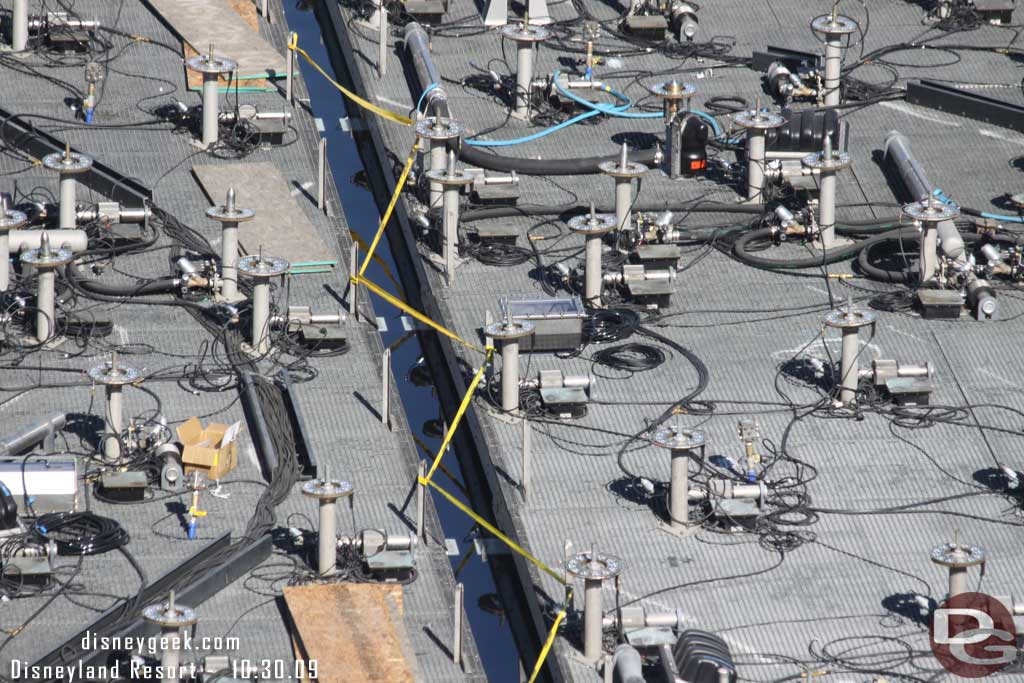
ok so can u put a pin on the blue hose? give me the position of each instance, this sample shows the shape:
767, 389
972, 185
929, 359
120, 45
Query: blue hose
594, 108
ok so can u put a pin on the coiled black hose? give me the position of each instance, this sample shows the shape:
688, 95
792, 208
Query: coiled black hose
80, 533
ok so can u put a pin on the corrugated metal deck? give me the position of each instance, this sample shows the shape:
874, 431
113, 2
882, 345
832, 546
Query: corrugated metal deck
347, 434
839, 590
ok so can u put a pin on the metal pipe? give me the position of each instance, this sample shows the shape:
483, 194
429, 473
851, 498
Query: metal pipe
957, 581
115, 422
755, 164
170, 657
928, 257
45, 308
510, 375
679, 496
592, 274
627, 664
623, 202
438, 154
289, 88
827, 197
421, 502
524, 77
382, 41
593, 620
261, 316
897, 152
321, 174
460, 592
68, 209
19, 26
211, 104
327, 542
75, 240
5, 260
39, 432
418, 43
848, 365
833, 67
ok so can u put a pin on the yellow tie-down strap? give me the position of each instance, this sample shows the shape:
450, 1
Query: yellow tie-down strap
550, 640
459, 413
401, 305
369, 106
391, 207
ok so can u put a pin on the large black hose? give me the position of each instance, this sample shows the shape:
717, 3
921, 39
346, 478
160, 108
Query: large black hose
740, 249
546, 167
912, 236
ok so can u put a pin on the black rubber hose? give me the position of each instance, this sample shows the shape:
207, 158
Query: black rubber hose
160, 286
912, 236
740, 249
546, 167
511, 211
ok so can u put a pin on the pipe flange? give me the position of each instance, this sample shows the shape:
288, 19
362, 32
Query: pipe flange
930, 211
759, 120
225, 215
523, 33
434, 128
958, 555
457, 179
516, 329
12, 220
838, 25
110, 375
260, 266
68, 163
850, 318
818, 161
679, 439
673, 90
328, 490
593, 224
168, 616
594, 566
615, 169
212, 65
46, 258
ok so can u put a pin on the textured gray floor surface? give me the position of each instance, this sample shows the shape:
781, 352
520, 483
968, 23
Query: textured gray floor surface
340, 402
840, 590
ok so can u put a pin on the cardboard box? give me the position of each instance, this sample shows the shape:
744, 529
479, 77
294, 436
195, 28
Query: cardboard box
211, 450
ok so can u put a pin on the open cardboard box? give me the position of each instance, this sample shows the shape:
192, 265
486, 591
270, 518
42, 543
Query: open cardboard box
211, 450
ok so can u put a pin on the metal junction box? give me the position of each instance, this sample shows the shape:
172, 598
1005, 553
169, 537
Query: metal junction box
559, 322
50, 483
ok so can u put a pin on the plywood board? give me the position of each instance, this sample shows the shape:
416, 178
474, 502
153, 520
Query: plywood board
349, 629
280, 225
201, 23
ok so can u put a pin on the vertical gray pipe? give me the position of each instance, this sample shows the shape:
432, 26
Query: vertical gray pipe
19, 26
211, 107
679, 495
68, 210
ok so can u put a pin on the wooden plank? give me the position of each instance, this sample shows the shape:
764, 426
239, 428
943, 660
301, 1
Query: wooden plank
349, 629
280, 224
202, 22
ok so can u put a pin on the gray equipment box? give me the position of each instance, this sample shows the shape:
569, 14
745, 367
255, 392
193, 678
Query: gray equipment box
49, 483
559, 322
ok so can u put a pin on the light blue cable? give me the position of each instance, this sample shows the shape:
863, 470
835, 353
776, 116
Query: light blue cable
424, 94
941, 196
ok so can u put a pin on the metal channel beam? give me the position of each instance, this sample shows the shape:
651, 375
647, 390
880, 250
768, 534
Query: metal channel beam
266, 453
21, 135
512, 573
196, 592
303, 445
969, 105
